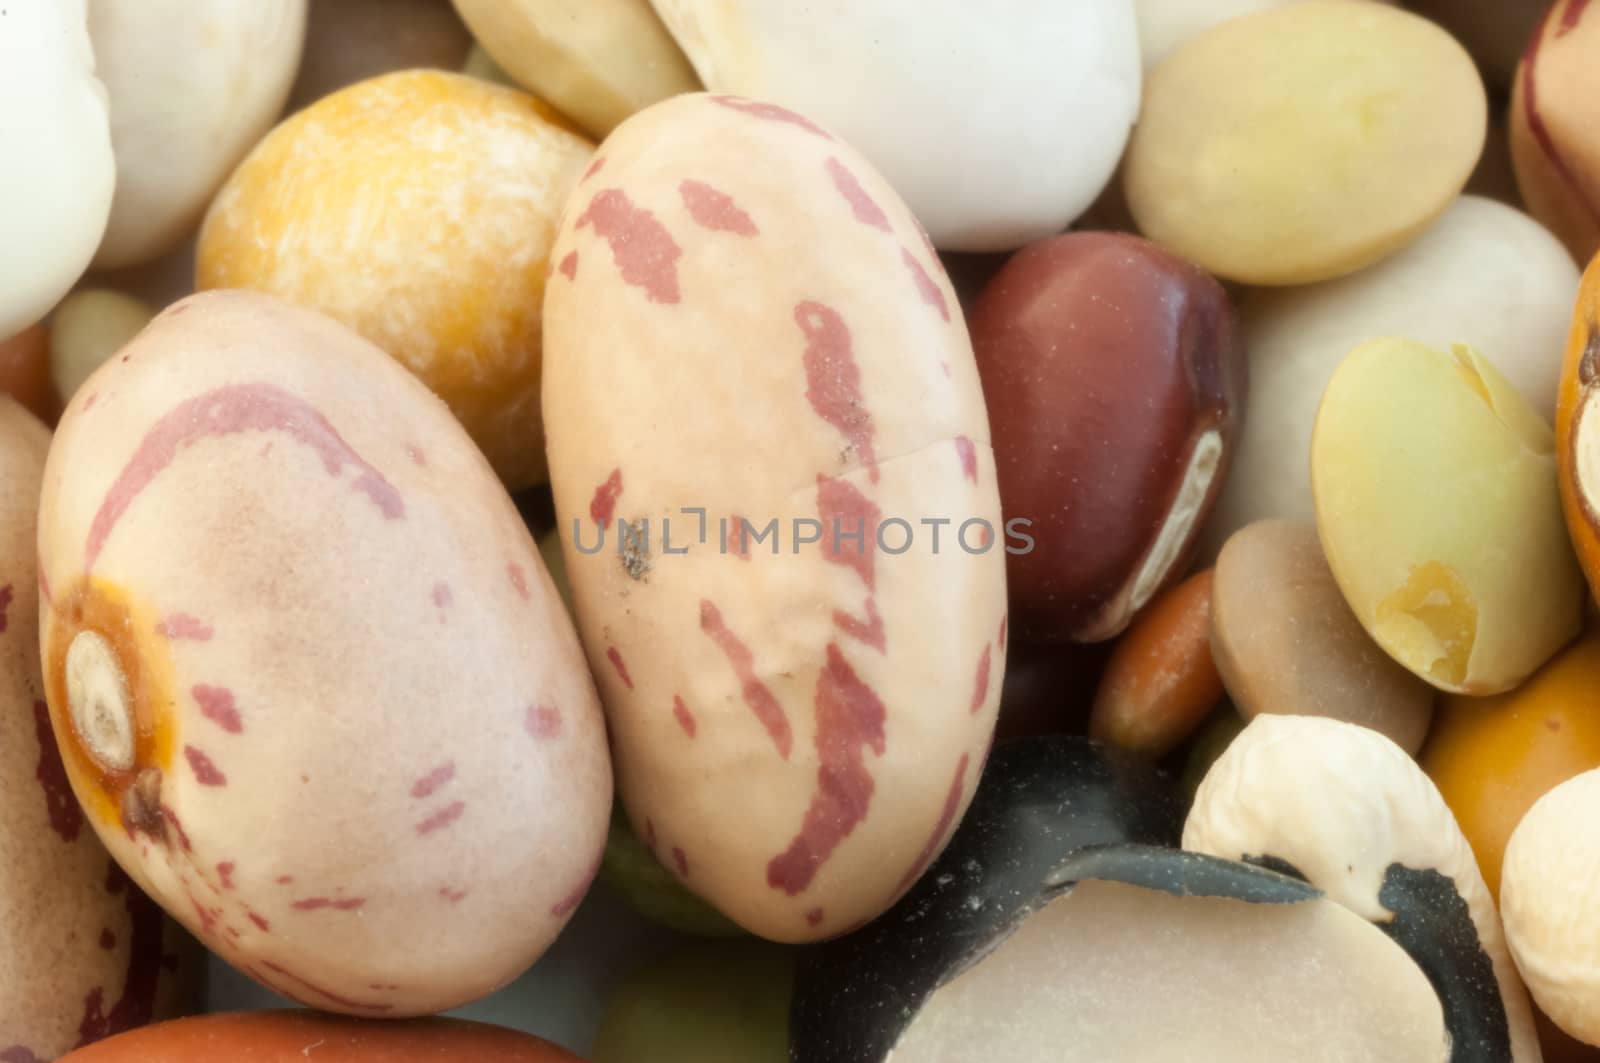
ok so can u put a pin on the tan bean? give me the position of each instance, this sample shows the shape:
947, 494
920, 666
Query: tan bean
1286, 642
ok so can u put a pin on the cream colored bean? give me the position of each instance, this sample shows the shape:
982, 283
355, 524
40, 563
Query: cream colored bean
1304, 142
368, 768
55, 141
1437, 506
597, 61
193, 84
797, 723
1485, 275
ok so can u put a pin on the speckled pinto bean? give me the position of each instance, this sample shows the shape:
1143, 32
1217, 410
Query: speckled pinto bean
748, 321
85, 954
311, 682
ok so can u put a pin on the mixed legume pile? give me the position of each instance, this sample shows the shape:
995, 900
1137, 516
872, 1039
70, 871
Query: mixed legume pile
901, 531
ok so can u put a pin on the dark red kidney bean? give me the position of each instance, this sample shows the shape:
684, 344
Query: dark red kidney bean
1115, 379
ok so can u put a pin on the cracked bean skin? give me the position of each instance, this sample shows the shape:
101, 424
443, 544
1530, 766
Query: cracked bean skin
1438, 509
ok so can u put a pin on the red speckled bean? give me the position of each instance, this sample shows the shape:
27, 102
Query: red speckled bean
774, 344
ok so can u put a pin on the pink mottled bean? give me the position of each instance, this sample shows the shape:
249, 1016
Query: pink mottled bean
269, 571
781, 349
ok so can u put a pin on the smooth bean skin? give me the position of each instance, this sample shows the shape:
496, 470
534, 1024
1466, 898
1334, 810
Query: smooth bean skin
193, 84
1160, 683
86, 953
798, 719
1304, 142
999, 123
1285, 641
1115, 380
55, 140
295, 1036
1553, 110
312, 684
1484, 274
1492, 758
